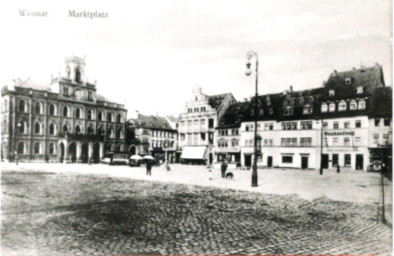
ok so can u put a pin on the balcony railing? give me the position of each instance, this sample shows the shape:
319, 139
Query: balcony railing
89, 137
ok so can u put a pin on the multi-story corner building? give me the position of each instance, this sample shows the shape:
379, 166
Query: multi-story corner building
380, 139
152, 135
285, 124
66, 120
228, 136
197, 125
344, 106
327, 126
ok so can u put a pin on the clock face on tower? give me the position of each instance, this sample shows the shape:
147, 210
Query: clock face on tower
78, 94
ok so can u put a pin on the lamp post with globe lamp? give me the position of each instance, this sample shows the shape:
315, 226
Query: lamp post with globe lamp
248, 72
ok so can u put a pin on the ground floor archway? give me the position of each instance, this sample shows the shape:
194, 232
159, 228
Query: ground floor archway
96, 153
72, 152
61, 152
85, 153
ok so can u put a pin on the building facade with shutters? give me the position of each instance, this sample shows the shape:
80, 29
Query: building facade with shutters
153, 135
343, 123
197, 125
65, 121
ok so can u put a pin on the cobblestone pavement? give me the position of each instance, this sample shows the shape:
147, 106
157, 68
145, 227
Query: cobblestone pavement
69, 214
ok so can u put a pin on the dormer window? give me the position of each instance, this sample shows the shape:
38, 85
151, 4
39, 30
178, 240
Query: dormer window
353, 105
361, 104
268, 99
359, 89
307, 110
348, 80
324, 108
288, 111
271, 111
311, 99
332, 107
342, 105
301, 100
331, 93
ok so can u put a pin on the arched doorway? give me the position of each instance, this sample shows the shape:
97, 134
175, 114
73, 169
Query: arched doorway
96, 153
72, 152
61, 152
85, 153
132, 150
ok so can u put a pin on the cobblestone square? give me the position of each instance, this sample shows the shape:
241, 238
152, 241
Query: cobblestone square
69, 213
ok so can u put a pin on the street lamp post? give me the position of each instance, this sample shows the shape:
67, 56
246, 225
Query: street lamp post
248, 72
19, 125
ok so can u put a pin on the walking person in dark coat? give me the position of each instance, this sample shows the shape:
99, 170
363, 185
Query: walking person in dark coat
224, 168
149, 168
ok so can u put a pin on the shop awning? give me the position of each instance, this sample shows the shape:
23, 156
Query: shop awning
196, 152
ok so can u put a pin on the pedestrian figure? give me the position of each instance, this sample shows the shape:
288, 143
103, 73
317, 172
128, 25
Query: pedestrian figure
338, 168
168, 166
210, 174
224, 168
46, 159
16, 157
148, 168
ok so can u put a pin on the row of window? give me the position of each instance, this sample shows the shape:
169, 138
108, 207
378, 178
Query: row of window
38, 148
343, 106
224, 143
160, 144
386, 122
346, 124
347, 141
196, 109
79, 113
52, 130
305, 125
197, 123
163, 134
377, 140
194, 137
293, 142
225, 132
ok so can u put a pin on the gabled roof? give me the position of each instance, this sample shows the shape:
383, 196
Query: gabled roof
367, 77
298, 100
381, 103
216, 100
102, 98
28, 83
150, 122
233, 116
172, 119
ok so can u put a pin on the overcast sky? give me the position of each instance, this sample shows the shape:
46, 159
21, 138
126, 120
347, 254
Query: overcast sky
151, 54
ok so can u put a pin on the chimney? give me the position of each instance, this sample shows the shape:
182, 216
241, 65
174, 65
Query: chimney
377, 66
245, 99
291, 88
335, 73
354, 68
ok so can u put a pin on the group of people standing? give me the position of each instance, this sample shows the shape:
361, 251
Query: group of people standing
149, 167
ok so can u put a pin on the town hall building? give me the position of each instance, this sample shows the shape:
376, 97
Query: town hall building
65, 121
